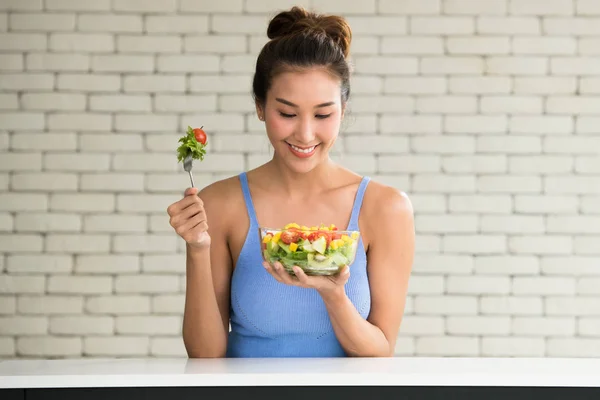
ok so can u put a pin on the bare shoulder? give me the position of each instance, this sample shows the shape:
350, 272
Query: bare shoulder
221, 195
383, 201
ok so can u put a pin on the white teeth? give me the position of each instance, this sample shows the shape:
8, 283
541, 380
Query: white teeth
305, 151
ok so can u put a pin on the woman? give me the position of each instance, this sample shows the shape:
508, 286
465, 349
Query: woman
301, 89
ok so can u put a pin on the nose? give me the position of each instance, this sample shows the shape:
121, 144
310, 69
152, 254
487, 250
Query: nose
305, 132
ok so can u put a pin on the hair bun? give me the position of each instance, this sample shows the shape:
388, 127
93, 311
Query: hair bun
299, 20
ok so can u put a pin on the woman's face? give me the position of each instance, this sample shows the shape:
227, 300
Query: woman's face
302, 114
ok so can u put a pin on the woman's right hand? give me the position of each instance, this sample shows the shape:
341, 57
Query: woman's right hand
188, 218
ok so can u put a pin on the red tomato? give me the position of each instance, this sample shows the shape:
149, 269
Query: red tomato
200, 135
290, 236
315, 235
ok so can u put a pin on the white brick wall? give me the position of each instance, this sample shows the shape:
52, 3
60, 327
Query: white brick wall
485, 113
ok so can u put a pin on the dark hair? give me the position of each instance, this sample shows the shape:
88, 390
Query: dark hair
302, 39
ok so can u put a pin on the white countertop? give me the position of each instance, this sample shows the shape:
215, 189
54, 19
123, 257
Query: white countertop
398, 371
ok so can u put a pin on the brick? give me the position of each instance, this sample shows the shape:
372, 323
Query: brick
48, 346
144, 243
475, 7
488, 204
19, 325
570, 265
517, 65
81, 42
106, 23
89, 83
511, 104
544, 45
447, 223
456, 65
478, 285
541, 164
587, 7
23, 202
80, 284
412, 45
145, 6
12, 62
442, 25
168, 304
429, 203
588, 326
173, 182
267, 6
545, 85
365, 45
23, 42
42, 22
376, 144
476, 163
409, 163
164, 263
151, 84
236, 103
114, 223
574, 66
479, 84
21, 5
12, 284
386, 65
110, 142
541, 125
123, 63
541, 7
82, 202
475, 124
154, 325
6, 225
13, 81
443, 145
573, 347
57, 62
9, 101
442, 264
20, 162
42, 222
428, 244
76, 162
8, 305
116, 346
435, 183
117, 304
544, 285
480, 325
364, 164
512, 347
447, 104
541, 245
575, 306
80, 121
145, 123
167, 347
21, 243
588, 286
511, 305
68, 243
103, 264
149, 44
82, 325
53, 101
76, 5
420, 325
482, 244
226, 44
242, 143
589, 85
366, 84
573, 224
238, 63
571, 26
21, 121
571, 145
50, 305
4, 141
412, 85
185, 103
120, 103
507, 264
572, 105
546, 204
478, 45
590, 204
446, 346
112, 182
224, 6
446, 305
426, 285
508, 25
378, 25
509, 184
572, 185
546, 326
512, 224
149, 284
180, 63
360, 124
246, 24
44, 141
588, 46
176, 24
145, 162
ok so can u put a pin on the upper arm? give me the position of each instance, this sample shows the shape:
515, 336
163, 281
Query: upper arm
390, 257
214, 198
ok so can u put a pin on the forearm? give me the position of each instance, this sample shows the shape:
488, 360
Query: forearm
358, 337
204, 334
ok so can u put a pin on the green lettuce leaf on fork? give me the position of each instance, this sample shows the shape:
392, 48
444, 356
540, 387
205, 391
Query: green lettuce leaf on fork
189, 145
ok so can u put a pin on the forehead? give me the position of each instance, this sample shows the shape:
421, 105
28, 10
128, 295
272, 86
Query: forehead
310, 87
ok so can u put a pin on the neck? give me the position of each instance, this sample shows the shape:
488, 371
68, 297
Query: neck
298, 185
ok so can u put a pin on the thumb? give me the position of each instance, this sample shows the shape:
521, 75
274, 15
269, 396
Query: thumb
190, 191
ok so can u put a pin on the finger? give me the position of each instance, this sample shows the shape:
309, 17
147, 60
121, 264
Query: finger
190, 191
183, 216
197, 223
342, 276
182, 204
269, 268
283, 274
302, 277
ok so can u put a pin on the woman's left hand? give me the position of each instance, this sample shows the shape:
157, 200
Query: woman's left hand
323, 284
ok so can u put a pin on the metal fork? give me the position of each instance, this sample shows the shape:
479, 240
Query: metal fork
187, 165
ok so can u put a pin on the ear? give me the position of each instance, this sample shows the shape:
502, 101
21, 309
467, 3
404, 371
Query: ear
259, 111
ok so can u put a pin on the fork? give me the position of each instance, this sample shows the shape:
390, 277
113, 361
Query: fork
187, 165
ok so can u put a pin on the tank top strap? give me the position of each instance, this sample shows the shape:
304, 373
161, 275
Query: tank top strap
248, 200
353, 225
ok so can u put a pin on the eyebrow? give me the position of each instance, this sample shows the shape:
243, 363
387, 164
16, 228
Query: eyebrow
289, 103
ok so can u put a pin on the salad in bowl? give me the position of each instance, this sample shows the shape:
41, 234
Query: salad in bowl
321, 250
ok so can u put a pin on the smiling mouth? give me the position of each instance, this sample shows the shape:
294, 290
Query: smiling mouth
305, 150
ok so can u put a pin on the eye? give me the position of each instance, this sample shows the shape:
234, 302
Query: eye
323, 116
284, 115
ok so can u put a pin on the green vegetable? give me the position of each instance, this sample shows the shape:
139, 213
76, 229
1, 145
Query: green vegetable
189, 145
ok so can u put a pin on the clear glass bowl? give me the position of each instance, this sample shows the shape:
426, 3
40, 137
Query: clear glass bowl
321, 251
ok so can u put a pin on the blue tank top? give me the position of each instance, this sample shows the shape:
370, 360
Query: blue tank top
271, 319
